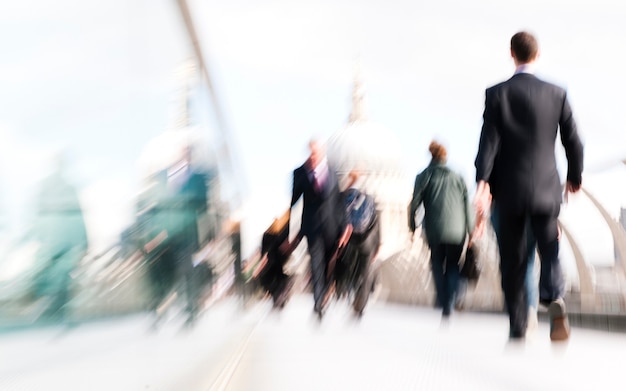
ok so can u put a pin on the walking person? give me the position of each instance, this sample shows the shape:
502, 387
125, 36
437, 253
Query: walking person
324, 222
180, 202
447, 222
59, 228
521, 119
354, 273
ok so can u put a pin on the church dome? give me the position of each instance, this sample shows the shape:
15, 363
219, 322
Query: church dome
363, 144
366, 146
375, 152
165, 149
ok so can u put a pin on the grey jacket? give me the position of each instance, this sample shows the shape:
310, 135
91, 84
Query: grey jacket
447, 216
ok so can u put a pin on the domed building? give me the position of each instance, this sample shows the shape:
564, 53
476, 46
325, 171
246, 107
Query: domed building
403, 265
374, 151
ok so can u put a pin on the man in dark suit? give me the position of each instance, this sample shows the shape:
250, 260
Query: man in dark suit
521, 119
324, 220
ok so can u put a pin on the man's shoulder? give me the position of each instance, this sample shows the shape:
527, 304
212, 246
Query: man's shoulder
299, 170
449, 172
506, 84
552, 86
498, 86
425, 172
524, 79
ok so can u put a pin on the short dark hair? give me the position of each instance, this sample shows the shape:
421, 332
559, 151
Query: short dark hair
524, 46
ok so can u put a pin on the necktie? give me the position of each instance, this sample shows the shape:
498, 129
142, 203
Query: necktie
318, 180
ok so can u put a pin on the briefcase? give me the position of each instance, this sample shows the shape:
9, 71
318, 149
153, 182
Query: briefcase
471, 269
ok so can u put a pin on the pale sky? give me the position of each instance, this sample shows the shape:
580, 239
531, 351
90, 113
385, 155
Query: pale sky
289, 67
98, 77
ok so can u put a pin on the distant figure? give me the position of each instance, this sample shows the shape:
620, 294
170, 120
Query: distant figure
447, 222
180, 199
516, 163
152, 238
353, 271
59, 228
233, 230
323, 218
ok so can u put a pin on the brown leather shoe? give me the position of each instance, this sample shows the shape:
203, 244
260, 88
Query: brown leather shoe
559, 325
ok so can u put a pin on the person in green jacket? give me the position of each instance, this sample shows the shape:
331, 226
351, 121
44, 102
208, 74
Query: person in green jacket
447, 222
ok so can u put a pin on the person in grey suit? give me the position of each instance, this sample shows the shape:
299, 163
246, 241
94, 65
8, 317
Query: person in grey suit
324, 220
521, 119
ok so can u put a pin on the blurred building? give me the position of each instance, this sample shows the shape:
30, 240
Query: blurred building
164, 149
372, 149
403, 265
115, 281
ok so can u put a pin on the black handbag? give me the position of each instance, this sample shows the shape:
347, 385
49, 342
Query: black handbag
470, 269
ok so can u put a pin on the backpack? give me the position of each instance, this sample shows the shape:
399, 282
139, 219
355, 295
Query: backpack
361, 211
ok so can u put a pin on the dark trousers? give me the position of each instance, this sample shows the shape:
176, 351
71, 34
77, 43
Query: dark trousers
513, 258
531, 287
320, 251
352, 271
444, 262
161, 276
189, 284
273, 278
174, 269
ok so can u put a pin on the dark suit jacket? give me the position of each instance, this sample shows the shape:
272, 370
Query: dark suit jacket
516, 154
323, 213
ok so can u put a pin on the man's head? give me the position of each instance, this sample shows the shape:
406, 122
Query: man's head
524, 48
438, 152
317, 153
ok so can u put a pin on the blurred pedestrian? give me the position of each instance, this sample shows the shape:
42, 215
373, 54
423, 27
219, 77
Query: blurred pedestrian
447, 222
521, 119
323, 218
354, 270
59, 228
180, 202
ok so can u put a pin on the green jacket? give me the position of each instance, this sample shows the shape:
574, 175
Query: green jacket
447, 217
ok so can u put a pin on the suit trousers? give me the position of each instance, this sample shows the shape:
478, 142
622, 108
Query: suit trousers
532, 294
513, 267
320, 252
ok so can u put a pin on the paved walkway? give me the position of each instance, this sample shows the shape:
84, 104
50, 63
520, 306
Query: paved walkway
390, 348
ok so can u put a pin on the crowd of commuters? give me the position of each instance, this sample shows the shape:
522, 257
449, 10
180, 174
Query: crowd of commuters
518, 188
